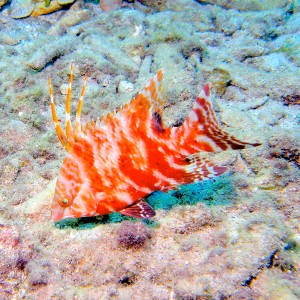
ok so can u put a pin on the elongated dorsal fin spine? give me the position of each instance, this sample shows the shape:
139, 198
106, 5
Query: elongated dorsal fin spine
68, 138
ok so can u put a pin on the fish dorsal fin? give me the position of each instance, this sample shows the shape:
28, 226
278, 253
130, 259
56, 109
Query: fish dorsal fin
146, 106
202, 122
154, 92
151, 97
141, 210
200, 168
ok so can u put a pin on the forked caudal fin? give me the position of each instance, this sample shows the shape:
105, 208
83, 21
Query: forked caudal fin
201, 131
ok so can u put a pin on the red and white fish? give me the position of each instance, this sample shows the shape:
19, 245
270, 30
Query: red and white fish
114, 163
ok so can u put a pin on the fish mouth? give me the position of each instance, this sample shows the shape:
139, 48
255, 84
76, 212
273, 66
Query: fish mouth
57, 215
61, 214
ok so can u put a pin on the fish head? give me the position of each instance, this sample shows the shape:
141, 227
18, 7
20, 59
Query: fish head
73, 196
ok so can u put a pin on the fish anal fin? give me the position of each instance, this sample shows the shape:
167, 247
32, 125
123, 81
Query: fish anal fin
200, 168
141, 210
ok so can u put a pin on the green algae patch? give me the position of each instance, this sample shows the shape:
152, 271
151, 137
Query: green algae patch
219, 191
291, 47
220, 79
27, 98
268, 188
87, 223
167, 27
293, 244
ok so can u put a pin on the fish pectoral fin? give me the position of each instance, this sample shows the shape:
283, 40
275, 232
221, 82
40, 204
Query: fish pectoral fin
141, 210
200, 168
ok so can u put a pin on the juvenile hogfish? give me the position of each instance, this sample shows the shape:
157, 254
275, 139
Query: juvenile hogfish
114, 163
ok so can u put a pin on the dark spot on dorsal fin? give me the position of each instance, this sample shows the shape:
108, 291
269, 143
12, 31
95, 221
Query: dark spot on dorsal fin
178, 123
157, 122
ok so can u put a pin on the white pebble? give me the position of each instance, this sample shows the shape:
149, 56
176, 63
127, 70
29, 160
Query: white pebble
125, 87
64, 88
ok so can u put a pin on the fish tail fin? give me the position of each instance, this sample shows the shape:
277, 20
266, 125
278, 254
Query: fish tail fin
201, 131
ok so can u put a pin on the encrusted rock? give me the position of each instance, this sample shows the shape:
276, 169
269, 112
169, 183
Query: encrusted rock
133, 235
153, 3
2, 2
249, 4
220, 79
42, 9
21, 8
24, 8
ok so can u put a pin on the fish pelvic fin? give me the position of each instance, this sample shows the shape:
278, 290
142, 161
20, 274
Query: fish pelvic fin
201, 130
141, 210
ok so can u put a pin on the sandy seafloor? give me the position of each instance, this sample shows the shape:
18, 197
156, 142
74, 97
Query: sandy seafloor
235, 237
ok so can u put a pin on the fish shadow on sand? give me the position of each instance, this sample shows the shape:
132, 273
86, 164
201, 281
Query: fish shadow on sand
218, 191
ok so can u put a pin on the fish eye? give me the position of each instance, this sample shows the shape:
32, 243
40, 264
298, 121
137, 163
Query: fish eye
64, 201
